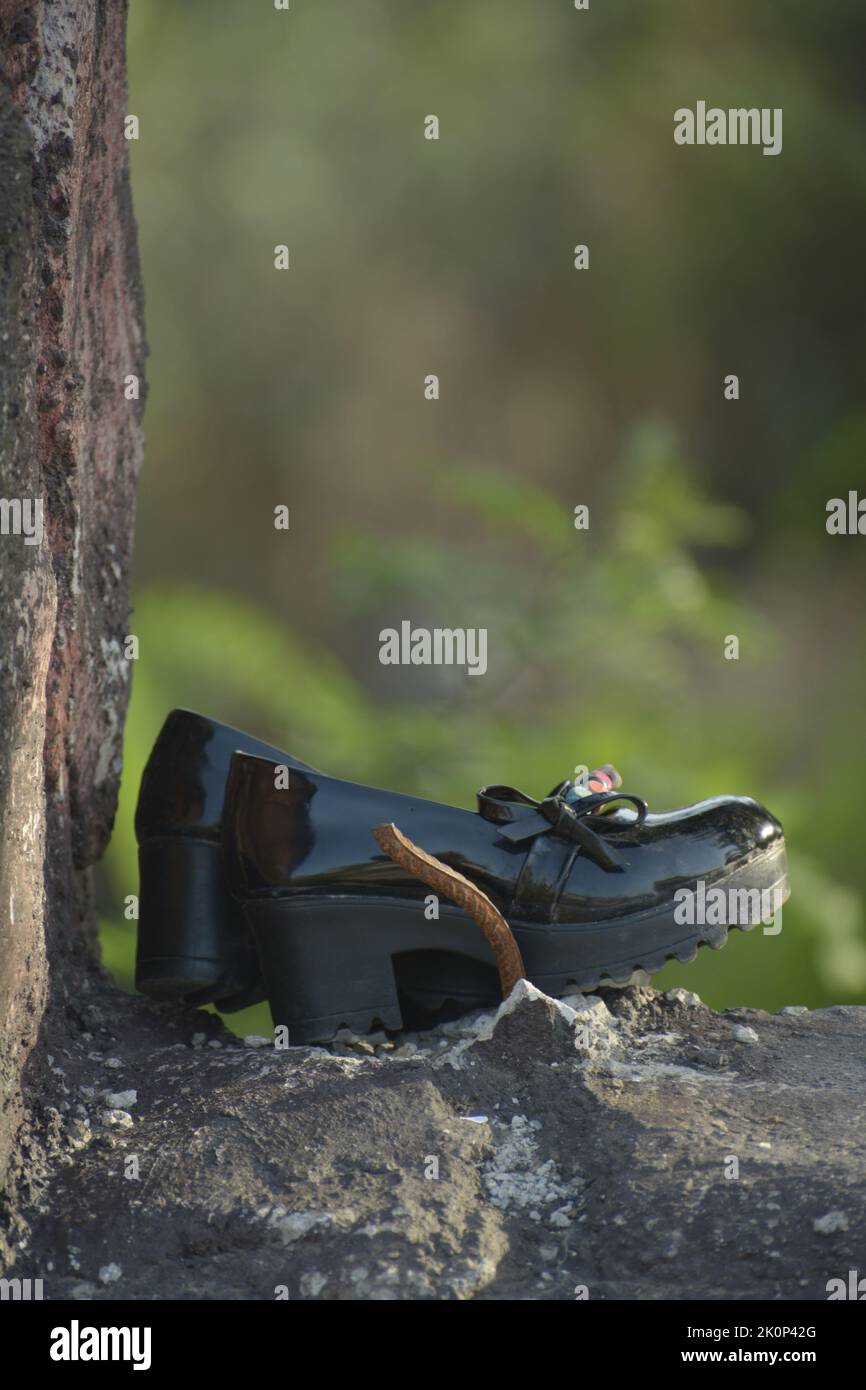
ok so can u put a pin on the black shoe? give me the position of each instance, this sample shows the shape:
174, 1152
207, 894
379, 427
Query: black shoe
193, 943
587, 882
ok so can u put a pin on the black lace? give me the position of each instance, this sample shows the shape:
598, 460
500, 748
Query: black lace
560, 814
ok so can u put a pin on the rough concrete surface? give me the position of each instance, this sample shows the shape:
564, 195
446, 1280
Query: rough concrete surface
554, 1151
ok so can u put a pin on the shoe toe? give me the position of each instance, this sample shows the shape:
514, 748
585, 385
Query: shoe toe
744, 825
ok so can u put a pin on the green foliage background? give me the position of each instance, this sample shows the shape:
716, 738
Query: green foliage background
558, 388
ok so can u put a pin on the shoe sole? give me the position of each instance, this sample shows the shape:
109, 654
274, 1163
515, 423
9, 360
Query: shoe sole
331, 962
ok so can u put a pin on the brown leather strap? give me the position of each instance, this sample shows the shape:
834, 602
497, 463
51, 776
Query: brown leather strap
433, 872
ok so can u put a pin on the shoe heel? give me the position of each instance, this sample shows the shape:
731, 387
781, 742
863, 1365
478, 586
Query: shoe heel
193, 942
325, 965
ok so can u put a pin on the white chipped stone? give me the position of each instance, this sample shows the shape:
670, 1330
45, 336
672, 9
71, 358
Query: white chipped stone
117, 1119
595, 1029
255, 1040
562, 1217
830, 1223
741, 1033
524, 993
686, 997
294, 1225
312, 1283
120, 1100
109, 1274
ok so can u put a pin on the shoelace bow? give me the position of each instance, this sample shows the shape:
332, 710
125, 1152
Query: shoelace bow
563, 812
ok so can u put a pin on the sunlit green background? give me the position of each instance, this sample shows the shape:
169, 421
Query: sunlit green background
559, 387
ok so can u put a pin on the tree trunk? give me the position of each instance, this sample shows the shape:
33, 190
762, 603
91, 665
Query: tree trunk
71, 336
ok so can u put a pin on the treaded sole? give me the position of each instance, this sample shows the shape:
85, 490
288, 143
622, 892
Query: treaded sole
336, 962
